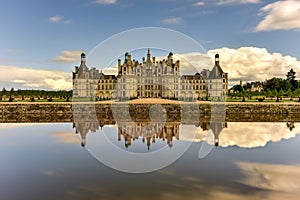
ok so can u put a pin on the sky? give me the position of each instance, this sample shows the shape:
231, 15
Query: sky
41, 41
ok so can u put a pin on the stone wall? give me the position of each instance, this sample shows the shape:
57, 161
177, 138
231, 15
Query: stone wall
57, 112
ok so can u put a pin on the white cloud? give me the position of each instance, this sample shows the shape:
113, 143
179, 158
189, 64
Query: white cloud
172, 21
110, 70
253, 63
193, 62
68, 21
68, 57
55, 19
244, 63
105, 2
59, 19
281, 15
12, 50
23, 77
226, 2
199, 3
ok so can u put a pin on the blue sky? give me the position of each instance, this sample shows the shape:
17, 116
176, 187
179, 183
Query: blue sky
35, 33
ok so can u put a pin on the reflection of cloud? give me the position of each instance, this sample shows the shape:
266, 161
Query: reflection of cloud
23, 77
245, 135
283, 178
282, 15
192, 134
50, 173
66, 137
17, 125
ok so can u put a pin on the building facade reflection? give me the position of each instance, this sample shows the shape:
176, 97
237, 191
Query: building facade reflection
225, 134
149, 132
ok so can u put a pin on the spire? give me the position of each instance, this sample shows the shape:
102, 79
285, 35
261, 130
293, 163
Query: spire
83, 58
217, 58
148, 56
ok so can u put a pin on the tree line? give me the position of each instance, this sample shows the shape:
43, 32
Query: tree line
33, 94
274, 87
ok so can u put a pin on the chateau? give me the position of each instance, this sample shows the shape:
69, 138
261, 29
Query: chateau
149, 79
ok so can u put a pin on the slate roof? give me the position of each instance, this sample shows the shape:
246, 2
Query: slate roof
216, 72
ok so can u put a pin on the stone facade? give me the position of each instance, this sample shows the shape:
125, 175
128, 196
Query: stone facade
149, 79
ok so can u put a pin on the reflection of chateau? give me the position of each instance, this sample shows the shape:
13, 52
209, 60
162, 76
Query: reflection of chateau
150, 78
215, 127
149, 132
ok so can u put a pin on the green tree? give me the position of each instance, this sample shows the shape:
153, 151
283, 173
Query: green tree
269, 93
291, 77
281, 93
273, 84
4, 91
289, 93
285, 85
238, 88
274, 93
297, 92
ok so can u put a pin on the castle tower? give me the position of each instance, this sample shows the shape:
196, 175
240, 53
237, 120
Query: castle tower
170, 58
148, 56
217, 59
83, 58
119, 66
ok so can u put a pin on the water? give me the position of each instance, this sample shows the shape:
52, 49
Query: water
253, 160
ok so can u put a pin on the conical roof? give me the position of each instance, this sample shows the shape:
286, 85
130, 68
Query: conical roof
216, 72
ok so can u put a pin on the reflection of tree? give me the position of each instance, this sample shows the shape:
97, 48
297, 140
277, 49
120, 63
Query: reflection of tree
290, 125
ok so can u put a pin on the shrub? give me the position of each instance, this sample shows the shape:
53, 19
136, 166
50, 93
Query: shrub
32, 99
260, 99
